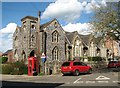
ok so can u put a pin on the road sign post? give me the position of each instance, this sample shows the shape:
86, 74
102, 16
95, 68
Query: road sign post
43, 57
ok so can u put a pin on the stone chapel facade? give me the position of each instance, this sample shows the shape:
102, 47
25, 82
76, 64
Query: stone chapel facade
57, 44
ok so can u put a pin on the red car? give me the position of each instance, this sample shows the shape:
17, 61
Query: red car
113, 64
75, 67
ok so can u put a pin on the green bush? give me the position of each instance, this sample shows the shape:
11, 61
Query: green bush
89, 58
81, 57
25, 69
94, 58
99, 58
40, 74
0, 68
19, 68
16, 68
0, 60
6, 69
3, 59
16, 72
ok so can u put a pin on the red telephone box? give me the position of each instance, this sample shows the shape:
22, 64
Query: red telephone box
33, 66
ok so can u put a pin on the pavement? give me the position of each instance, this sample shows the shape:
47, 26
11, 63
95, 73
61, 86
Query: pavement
106, 77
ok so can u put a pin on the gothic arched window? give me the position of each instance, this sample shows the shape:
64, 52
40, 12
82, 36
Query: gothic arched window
24, 27
55, 36
98, 51
55, 53
23, 55
16, 54
32, 38
77, 47
33, 27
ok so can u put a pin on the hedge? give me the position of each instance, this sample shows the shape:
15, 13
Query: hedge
19, 68
16, 68
6, 69
94, 58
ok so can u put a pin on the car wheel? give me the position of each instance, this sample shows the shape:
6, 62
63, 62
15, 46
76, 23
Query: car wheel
76, 73
89, 71
63, 74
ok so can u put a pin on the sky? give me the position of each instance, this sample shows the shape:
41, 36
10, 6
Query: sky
73, 15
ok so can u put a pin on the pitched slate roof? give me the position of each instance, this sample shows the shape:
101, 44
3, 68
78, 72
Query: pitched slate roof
70, 35
7, 52
30, 17
46, 24
85, 39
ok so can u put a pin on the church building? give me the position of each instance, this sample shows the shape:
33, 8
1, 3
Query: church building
57, 44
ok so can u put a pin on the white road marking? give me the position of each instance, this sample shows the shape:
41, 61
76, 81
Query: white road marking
101, 77
116, 81
76, 80
90, 81
67, 82
103, 81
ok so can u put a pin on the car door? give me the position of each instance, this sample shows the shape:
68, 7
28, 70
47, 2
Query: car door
85, 67
118, 64
75, 66
81, 67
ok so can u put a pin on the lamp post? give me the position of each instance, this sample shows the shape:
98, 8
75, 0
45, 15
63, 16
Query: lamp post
43, 57
38, 39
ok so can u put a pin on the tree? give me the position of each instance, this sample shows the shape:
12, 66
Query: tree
106, 21
3, 59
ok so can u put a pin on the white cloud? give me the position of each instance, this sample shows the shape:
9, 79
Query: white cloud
10, 28
84, 28
103, 3
6, 37
69, 10
84, 3
93, 5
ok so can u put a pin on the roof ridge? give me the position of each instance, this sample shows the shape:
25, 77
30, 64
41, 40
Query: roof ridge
30, 17
47, 23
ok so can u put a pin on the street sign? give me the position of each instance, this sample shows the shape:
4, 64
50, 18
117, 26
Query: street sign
101, 77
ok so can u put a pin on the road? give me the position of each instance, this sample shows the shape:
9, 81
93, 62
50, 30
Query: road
104, 77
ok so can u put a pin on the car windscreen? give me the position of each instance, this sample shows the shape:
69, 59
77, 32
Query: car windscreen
113, 62
66, 64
